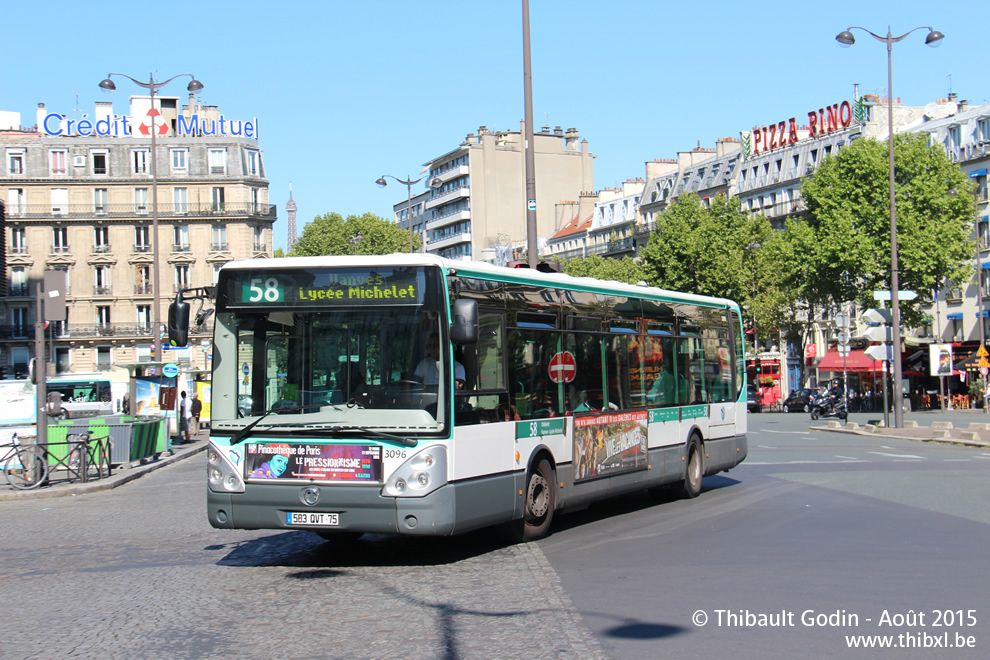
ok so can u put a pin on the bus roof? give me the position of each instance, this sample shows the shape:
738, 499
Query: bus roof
483, 270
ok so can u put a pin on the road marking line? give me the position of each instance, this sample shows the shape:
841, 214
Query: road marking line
788, 432
748, 462
848, 458
880, 453
765, 447
955, 460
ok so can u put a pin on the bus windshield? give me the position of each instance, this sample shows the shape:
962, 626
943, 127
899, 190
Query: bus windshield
335, 348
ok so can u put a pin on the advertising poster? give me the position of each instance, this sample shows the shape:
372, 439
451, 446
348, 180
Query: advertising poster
286, 461
147, 398
17, 400
940, 358
205, 392
609, 443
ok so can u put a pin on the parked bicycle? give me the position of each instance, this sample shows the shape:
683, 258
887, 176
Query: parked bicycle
24, 466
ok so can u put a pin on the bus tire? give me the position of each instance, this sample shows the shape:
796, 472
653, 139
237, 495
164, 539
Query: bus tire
694, 470
541, 498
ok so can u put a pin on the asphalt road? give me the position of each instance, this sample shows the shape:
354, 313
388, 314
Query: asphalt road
813, 525
860, 529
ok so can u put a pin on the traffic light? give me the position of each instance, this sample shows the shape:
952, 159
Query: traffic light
758, 366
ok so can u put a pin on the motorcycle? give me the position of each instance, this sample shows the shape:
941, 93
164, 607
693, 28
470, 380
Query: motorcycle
825, 407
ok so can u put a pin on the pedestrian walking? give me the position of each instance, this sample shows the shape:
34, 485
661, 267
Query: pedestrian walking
185, 417
197, 408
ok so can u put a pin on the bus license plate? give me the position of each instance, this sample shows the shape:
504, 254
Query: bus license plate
320, 519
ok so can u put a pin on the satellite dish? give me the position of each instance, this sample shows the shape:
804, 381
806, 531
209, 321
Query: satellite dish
931, 110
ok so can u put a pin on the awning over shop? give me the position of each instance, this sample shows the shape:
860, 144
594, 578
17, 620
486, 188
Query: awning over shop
857, 360
977, 173
954, 317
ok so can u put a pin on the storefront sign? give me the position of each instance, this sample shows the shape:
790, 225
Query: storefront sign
123, 126
785, 133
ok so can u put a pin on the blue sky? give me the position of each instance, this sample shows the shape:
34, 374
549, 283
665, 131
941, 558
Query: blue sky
347, 91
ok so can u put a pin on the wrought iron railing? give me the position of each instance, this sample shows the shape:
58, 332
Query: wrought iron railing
165, 210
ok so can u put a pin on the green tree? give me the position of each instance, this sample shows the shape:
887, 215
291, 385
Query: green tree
620, 270
279, 253
848, 202
328, 234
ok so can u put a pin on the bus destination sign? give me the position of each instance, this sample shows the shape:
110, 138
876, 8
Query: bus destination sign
329, 289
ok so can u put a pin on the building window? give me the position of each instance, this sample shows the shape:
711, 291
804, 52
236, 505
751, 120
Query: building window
259, 239
219, 238
57, 161
68, 282
15, 161
100, 162
60, 240
139, 161
142, 242
141, 200
216, 272
180, 159
103, 316
101, 239
180, 200
142, 282
60, 201
62, 363
218, 161
952, 139
181, 276
100, 201
254, 201
15, 202
181, 242
252, 163
217, 197
19, 321
144, 318
18, 242
102, 281
18, 281
103, 362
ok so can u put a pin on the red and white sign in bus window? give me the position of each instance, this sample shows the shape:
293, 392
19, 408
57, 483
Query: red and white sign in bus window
563, 367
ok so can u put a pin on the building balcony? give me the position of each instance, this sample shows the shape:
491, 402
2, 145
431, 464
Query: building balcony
228, 209
142, 248
219, 247
261, 247
102, 291
450, 240
618, 246
453, 173
451, 218
447, 197
89, 331
142, 290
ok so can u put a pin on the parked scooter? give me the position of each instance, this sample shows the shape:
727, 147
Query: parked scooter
829, 407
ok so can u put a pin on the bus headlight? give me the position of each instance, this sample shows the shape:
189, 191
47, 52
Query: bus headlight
420, 475
222, 476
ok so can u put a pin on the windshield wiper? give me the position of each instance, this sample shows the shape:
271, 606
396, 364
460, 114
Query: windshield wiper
408, 442
243, 433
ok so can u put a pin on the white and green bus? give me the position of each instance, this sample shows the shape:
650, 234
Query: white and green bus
415, 395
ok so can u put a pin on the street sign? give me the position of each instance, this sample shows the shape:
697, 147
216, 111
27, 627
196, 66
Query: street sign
901, 295
877, 316
843, 350
879, 333
984, 363
880, 352
844, 336
984, 371
982, 352
170, 370
563, 367
842, 320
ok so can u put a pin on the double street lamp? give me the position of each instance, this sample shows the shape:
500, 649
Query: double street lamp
152, 86
433, 183
934, 38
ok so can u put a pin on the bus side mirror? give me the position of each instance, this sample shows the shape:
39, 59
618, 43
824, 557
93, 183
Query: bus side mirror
464, 321
178, 323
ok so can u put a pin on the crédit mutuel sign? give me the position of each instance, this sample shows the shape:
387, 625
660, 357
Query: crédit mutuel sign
785, 133
122, 126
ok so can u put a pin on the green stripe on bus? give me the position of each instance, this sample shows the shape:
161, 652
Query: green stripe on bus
690, 412
539, 428
665, 415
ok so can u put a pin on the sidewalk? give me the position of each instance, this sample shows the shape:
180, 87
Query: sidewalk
969, 427
120, 476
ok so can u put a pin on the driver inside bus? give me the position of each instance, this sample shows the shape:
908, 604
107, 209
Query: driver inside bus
428, 369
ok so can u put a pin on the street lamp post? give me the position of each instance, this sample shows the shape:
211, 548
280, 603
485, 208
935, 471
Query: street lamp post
152, 86
934, 38
434, 183
979, 300
354, 240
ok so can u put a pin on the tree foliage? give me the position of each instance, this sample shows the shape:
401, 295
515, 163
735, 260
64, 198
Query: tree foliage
328, 234
848, 200
620, 270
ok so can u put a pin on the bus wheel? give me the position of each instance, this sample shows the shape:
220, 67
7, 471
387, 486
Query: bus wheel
695, 469
540, 501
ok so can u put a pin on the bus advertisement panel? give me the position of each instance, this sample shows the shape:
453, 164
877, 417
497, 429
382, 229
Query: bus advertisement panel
609, 443
320, 463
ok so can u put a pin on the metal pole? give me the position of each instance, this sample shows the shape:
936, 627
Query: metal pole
156, 349
894, 282
408, 212
531, 240
979, 299
41, 375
